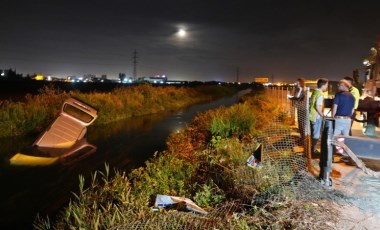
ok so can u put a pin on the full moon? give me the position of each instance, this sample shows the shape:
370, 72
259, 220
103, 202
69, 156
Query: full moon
181, 33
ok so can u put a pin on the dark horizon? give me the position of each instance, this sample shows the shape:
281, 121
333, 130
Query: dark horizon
220, 41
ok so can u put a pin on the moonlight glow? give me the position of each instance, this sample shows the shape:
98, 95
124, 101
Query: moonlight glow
181, 33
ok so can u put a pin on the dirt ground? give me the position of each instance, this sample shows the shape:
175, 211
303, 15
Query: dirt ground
363, 195
362, 190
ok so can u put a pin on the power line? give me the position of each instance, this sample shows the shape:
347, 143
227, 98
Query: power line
237, 75
134, 64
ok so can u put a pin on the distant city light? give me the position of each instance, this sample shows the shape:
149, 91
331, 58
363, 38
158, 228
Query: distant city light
39, 77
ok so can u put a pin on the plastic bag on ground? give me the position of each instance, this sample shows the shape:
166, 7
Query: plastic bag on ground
175, 202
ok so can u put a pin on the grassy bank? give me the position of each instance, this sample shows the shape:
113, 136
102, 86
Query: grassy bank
206, 163
38, 111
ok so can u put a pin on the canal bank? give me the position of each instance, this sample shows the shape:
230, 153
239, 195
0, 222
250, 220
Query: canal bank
122, 145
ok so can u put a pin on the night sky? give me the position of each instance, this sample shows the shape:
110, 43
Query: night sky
282, 39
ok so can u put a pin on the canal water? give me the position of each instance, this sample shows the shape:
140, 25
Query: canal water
124, 145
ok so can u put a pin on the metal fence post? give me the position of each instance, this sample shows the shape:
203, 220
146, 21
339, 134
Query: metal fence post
325, 162
281, 96
307, 141
292, 107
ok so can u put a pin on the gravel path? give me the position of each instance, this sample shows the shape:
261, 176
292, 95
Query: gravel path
363, 196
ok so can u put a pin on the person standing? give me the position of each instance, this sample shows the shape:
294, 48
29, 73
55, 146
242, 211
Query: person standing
299, 98
316, 112
343, 108
355, 92
299, 92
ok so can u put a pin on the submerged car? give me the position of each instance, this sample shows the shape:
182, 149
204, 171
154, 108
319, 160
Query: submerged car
64, 138
47, 156
69, 127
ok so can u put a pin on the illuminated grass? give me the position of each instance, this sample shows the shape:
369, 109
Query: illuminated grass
206, 163
37, 112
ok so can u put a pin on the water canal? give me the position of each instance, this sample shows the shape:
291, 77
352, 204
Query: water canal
124, 145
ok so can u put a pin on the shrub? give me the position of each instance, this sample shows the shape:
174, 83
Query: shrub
164, 174
209, 195
105, 203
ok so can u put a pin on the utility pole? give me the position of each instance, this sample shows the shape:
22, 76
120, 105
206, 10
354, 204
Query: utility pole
134, 58
237, 75
237, 85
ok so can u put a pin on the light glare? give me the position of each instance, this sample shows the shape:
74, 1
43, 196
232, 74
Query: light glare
181, 33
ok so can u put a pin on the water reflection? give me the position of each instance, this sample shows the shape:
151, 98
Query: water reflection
124, 145
36, 155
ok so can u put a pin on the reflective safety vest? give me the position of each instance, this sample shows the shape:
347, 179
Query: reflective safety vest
355, 92
313, 113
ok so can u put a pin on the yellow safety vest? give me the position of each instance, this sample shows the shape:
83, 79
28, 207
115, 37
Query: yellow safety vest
313, 113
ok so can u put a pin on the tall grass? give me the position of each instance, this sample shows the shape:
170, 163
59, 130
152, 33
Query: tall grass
157, 176
234, 121
104, 203
194, 167
206, 163
36, 112
20, 118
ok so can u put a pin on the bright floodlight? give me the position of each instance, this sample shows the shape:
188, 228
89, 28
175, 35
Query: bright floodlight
181, 33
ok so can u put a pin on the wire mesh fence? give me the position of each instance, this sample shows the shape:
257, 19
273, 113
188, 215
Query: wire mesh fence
297, 111
283, 171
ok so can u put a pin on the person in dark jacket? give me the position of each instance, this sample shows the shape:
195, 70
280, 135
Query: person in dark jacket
299, 92
343, 108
